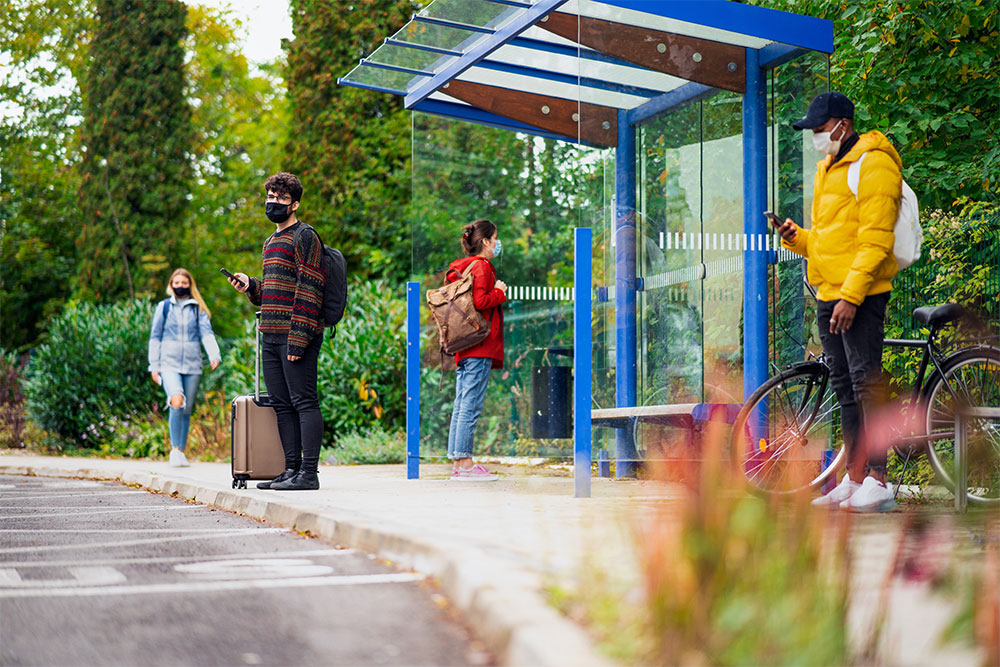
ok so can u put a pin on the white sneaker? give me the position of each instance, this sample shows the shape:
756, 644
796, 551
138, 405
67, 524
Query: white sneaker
839, 494
873, 496
177, 459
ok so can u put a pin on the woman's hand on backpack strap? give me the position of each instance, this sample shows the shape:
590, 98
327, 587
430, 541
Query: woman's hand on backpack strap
501, 285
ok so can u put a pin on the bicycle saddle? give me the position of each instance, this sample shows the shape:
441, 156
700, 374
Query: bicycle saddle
936, 316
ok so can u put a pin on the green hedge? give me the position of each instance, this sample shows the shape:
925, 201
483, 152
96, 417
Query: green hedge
92, 370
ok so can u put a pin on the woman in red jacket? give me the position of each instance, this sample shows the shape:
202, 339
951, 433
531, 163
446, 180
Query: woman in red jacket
479, 239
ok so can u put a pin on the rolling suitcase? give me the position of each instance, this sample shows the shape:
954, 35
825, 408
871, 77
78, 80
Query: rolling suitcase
257, 452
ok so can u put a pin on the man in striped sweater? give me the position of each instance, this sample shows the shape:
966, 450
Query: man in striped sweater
290, 296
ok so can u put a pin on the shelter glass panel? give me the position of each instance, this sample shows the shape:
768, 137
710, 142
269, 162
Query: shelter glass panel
792, 170
536, 191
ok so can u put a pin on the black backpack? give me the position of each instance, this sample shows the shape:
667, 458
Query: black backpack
335, 291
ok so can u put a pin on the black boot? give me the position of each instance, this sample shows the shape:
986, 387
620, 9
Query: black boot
288, 474
303, 481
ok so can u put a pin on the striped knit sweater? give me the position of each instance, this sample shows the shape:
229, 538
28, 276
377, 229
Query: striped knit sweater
290, 295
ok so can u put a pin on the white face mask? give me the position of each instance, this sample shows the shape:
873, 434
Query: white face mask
823, 142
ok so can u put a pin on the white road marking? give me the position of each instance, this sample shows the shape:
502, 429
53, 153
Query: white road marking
131, 543
45, 496
249, 567
215, 586
173, 559
82, 576
103, 511
120, 531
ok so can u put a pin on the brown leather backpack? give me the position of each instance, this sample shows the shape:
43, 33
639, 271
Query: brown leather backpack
460, 325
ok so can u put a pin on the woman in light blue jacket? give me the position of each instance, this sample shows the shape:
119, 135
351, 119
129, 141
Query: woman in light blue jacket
181, 325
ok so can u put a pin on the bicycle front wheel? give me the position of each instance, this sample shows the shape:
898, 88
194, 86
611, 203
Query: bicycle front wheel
786, 437
974, 375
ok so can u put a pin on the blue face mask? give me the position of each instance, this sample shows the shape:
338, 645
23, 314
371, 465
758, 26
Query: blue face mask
497, 249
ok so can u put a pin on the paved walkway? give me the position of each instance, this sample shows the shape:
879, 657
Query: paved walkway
492, 546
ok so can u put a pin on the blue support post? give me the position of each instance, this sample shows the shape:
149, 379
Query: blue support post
754, 225
412, 380
625, 289
582, 351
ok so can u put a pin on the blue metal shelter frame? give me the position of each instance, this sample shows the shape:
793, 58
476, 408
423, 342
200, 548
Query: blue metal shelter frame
442, 63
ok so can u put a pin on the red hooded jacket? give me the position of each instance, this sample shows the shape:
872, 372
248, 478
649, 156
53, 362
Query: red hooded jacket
487, 299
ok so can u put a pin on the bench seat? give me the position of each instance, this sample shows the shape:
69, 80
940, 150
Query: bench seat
676, 414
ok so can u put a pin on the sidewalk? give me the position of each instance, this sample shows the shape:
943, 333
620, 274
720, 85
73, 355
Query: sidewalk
493, 547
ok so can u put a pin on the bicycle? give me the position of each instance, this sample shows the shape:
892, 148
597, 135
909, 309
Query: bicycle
786, 436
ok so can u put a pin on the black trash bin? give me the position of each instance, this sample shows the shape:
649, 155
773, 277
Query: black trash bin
552, 402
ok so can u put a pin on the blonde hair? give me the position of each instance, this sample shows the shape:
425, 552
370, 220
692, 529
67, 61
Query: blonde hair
194, 288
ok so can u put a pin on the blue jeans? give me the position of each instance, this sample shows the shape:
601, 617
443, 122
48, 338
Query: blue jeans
180, 418
470, 395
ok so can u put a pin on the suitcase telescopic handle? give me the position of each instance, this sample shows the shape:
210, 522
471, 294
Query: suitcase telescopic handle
256, 366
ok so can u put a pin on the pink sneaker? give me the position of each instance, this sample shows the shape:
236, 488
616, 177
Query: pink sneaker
476, 473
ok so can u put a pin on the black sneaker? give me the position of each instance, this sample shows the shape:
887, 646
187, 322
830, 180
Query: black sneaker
303, 481
288, 474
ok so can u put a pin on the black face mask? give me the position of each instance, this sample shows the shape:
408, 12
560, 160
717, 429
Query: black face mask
277, 213
182, 292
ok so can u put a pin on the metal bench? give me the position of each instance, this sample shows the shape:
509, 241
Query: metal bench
676, 414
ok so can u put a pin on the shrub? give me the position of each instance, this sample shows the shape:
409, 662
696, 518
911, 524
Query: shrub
373, 445
92, 370
11, 400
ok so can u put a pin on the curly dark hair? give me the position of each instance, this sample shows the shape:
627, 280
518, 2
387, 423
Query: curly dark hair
284, 184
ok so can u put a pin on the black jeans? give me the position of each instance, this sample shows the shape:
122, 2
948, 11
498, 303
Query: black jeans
291, 385
855, 358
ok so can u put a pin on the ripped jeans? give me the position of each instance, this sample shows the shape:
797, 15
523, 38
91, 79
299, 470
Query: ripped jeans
180, 418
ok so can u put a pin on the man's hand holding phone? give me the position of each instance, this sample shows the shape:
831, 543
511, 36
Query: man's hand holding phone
785, 229
239, 281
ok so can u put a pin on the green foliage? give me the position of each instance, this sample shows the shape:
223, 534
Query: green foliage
12, 421
926, 74
371, 445
91, 370
137, 138
960, 263
362, 368
239, 117
349, 147
43, 44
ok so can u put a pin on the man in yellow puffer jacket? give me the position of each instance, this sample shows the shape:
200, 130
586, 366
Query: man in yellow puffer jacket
851, 264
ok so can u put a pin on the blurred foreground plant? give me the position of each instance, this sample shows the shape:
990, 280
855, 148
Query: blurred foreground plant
730, 578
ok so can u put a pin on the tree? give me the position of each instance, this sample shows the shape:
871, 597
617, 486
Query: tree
350, 147
44, 45
240, 127
926, 74
137, 139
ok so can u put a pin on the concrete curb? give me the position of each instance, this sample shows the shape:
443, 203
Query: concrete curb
502, 603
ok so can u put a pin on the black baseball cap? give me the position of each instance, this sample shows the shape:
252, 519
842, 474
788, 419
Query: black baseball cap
824, 107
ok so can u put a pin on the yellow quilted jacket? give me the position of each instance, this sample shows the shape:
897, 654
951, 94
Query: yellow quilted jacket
849, 246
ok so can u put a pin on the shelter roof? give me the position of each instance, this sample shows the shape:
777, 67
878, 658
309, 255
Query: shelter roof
566, 68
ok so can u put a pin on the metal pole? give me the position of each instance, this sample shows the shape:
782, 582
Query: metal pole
582, 351
625, 292
961, 461
754, 225
412, 380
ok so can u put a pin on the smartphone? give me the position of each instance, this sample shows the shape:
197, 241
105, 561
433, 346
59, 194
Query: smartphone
229, 275
776, 222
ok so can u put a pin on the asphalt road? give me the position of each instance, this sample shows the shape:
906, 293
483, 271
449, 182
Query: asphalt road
94, 573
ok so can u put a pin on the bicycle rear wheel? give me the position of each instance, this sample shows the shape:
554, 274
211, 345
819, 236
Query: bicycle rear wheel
975, 376
786, 437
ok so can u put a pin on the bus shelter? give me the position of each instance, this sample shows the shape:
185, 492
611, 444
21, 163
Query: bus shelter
626, 150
